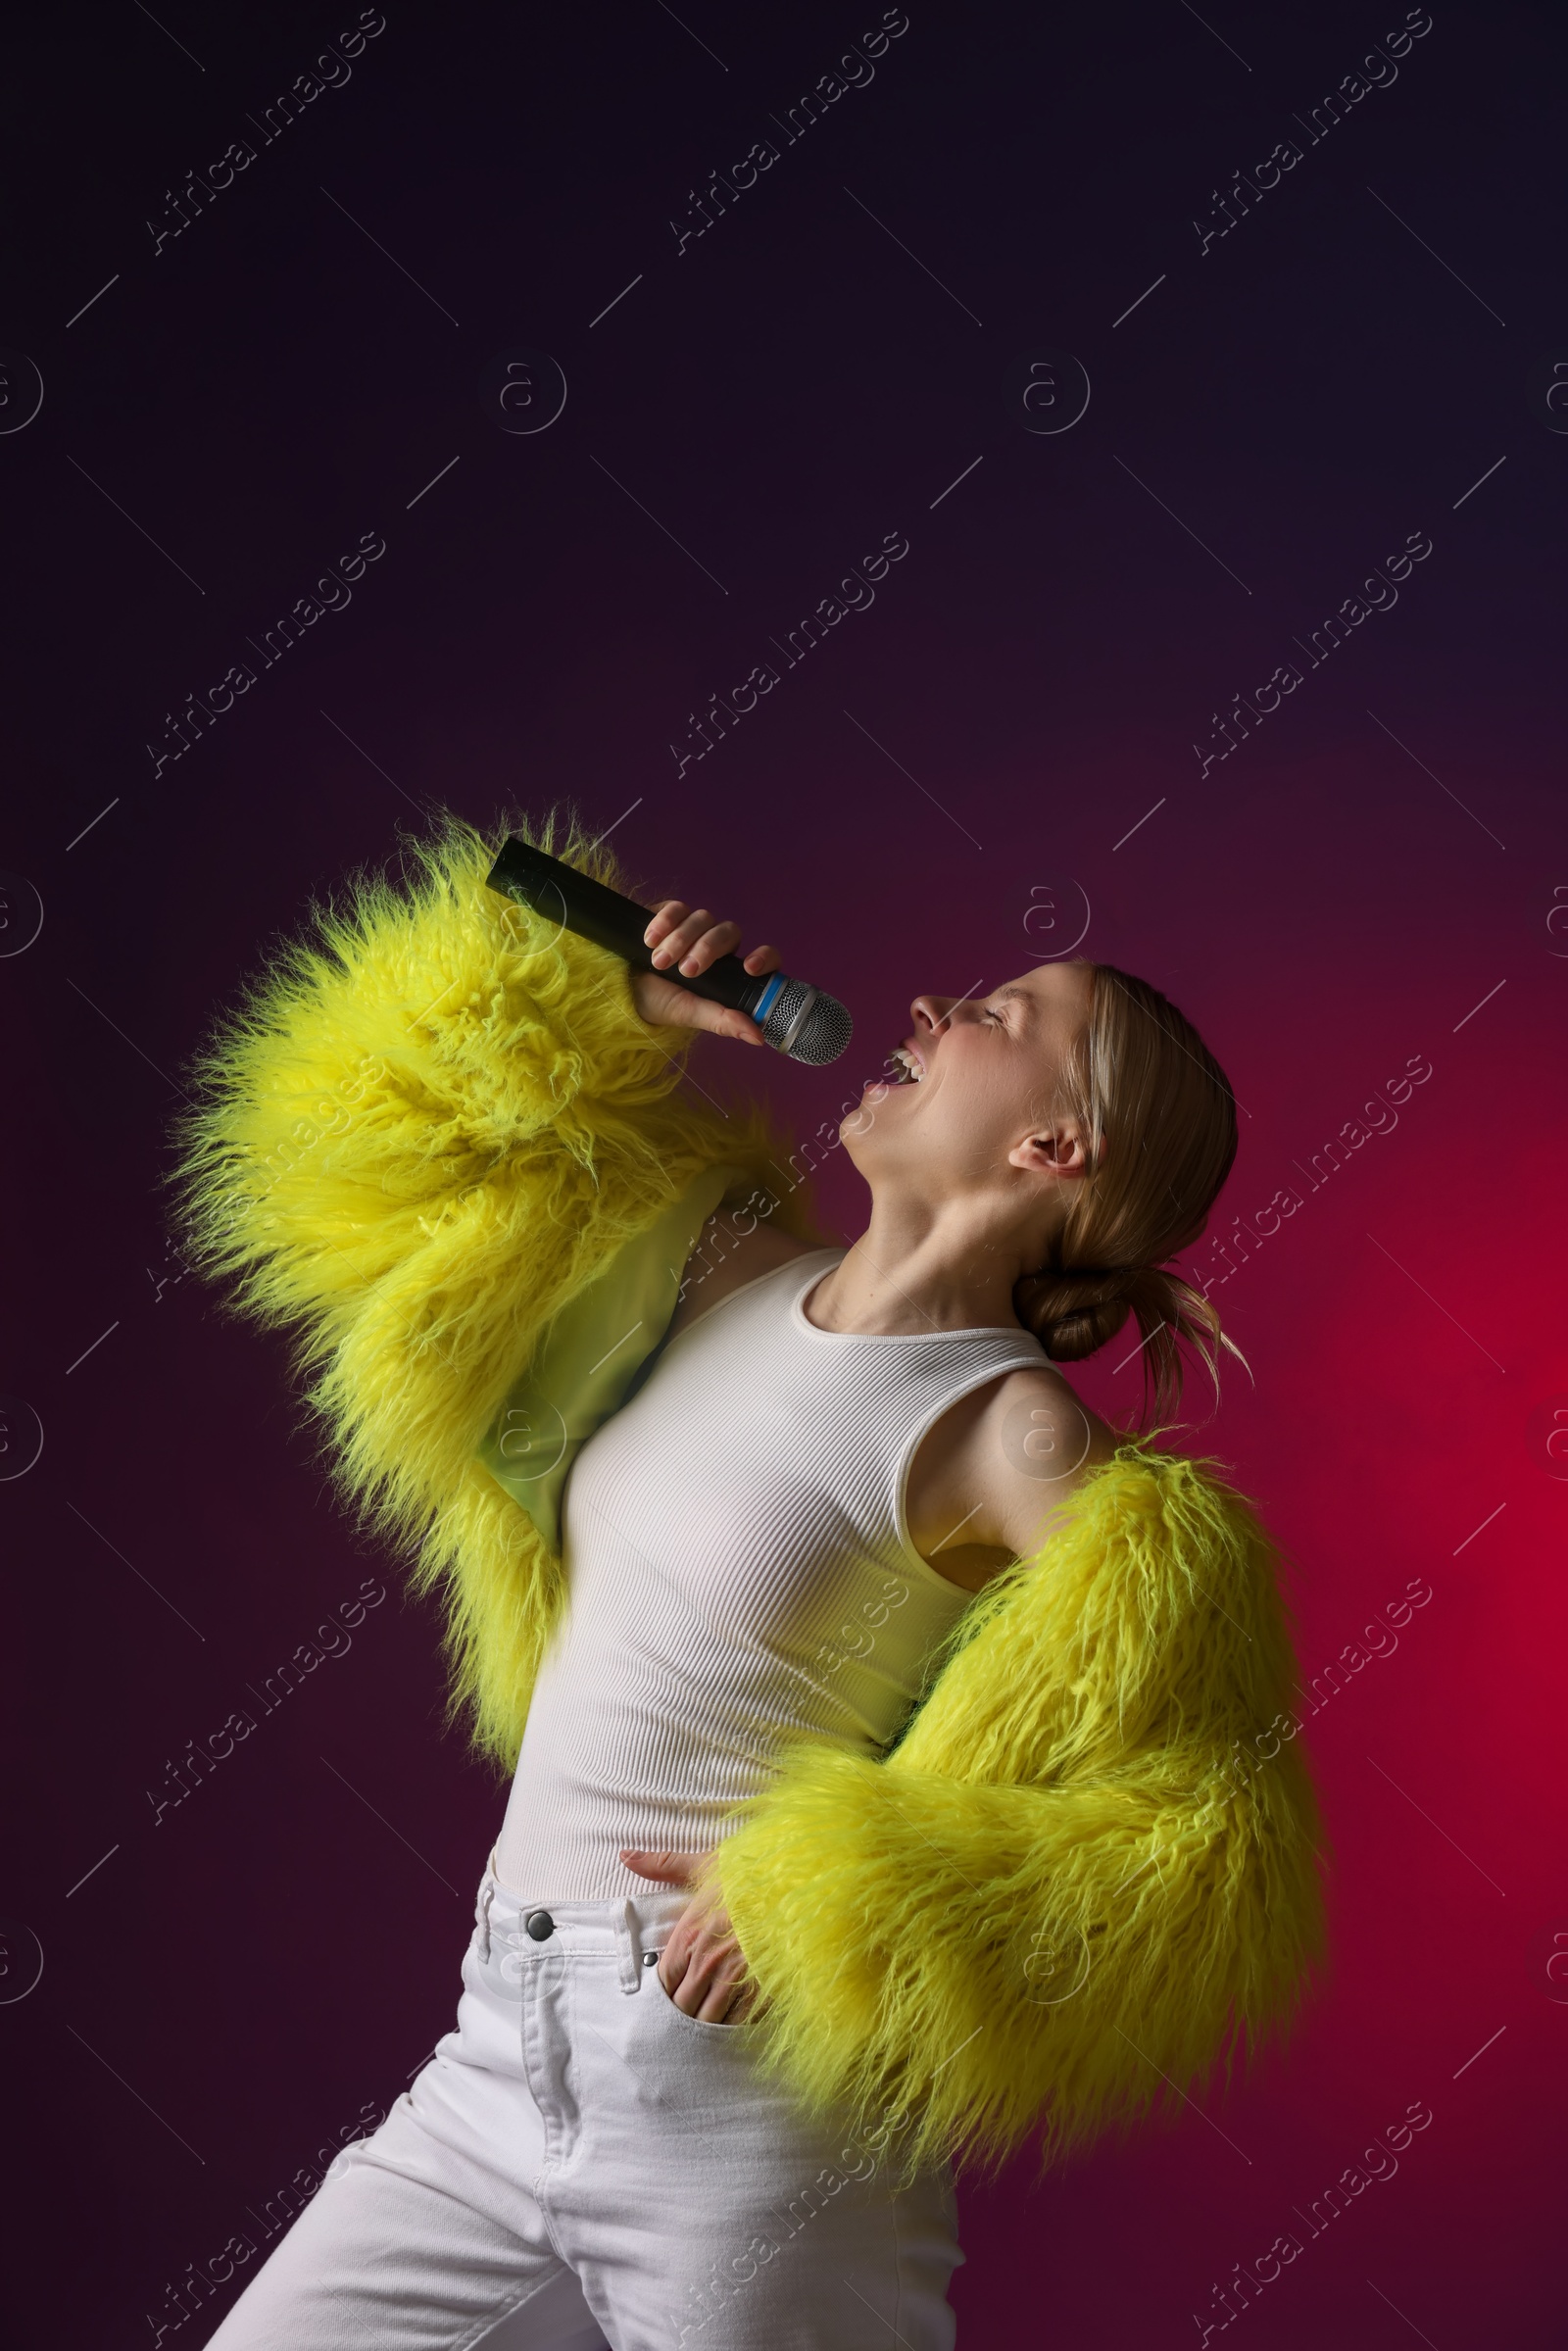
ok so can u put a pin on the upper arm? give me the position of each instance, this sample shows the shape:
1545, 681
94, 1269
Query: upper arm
1042, 1429
1001, 1463
1038, 1443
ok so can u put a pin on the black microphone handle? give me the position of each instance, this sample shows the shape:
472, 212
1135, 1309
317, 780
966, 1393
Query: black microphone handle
559, 893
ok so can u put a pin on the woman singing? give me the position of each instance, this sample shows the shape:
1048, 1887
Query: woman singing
897, 1773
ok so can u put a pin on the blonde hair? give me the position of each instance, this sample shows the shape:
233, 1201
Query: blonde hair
1158, 1119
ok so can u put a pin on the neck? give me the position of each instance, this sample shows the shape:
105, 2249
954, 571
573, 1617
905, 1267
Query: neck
917, 1268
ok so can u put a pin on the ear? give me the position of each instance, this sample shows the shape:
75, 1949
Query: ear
1055, 1150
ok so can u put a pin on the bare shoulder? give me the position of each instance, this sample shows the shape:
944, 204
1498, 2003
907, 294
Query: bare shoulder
998, 1466
734, 1246
1038, 1431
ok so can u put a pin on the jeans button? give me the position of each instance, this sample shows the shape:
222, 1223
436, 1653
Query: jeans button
540, 1925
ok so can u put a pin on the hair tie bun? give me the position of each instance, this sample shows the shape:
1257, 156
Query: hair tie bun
1087, 1273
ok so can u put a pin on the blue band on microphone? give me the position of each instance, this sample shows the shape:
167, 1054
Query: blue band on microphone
770, 996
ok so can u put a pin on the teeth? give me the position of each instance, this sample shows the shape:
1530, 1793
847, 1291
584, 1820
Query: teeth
912, 1072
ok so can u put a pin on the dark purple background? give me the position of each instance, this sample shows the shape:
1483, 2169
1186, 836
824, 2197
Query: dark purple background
949, 775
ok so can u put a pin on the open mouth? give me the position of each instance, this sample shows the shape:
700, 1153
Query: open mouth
906, 1067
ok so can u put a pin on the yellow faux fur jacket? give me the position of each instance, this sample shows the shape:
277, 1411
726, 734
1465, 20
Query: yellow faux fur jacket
1055, 1904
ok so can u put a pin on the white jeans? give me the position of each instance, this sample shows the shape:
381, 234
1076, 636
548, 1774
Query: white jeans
583, 2160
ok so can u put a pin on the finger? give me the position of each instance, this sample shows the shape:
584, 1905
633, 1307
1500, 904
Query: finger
666, 915
695, 943
720, 1020
748, 2003
761, 959
665, 1003
758, 2002
670, 1969
679, 1008
677, 1960
716, 941
726, 1998
736, 1024
680, 937
667, 1869
704, 1995
744, 2005
715, 1955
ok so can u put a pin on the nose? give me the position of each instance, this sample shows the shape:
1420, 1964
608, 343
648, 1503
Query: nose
931, 1012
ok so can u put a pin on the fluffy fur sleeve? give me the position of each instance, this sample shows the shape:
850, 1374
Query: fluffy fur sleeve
1057, 1895
429, 1126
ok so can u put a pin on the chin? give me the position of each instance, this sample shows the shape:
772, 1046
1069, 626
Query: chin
857, 1130
873, 1147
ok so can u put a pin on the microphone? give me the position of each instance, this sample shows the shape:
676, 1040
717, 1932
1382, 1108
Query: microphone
798, 1019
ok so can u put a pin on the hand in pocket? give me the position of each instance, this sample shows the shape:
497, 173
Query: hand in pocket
702, 1966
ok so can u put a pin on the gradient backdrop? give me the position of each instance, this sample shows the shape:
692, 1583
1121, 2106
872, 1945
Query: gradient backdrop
1012, 751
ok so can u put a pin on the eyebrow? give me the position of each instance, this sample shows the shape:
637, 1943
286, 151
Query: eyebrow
1022, 993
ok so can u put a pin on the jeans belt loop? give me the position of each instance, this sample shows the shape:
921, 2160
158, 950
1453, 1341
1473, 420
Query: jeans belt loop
631, 1955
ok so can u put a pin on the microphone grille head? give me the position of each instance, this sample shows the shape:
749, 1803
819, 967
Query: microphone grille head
807, 1025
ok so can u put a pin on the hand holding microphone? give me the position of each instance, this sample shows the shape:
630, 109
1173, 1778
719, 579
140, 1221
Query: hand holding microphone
683, 944
683, 973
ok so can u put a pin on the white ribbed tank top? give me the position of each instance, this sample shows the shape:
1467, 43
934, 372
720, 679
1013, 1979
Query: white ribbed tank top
739, 1570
